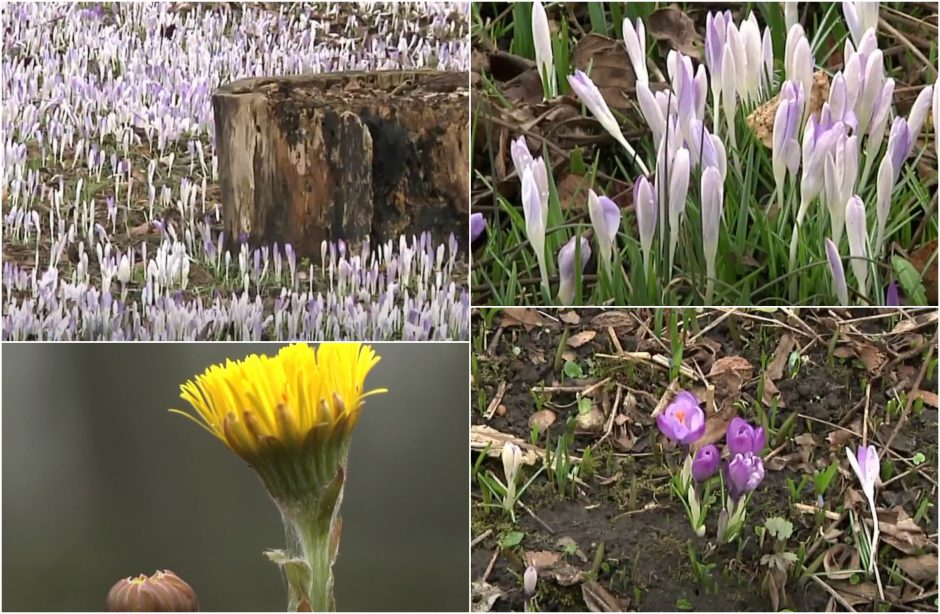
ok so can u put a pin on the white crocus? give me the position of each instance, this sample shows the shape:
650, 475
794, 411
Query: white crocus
860, 17
634, 38
856, 229
678, 191
712, 206
544, 58
534, 222
512, 460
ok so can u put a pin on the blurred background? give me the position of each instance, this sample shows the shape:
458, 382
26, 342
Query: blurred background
100, 482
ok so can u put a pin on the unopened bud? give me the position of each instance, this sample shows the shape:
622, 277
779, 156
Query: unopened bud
529, 580
164, 591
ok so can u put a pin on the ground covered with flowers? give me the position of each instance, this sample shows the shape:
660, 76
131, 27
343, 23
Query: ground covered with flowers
778, 153
111, 205
577, 403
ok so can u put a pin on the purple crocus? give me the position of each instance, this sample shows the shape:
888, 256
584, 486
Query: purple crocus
867, 467
892, 297
705, 463
745, 472
838, 272
683, 420
566, 267
605, 217
477, 224
646, 209
743, 438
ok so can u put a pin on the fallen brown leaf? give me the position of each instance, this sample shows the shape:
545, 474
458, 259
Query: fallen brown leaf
900, 531
521, 316
919, 568
581, 338
672, 25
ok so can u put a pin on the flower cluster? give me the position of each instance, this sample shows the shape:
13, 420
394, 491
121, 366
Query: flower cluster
683, 421
123, 240
393, 292
831, 164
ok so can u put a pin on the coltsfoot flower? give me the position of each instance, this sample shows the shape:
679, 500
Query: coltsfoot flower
164, 591
291, 417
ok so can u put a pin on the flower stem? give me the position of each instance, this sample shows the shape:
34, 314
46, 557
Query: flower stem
315, 541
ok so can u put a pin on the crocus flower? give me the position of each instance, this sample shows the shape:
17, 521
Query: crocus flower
860, 17
635, 41
743, 438
892, 298
855, 226
645, 207
712, 207
651, 111
544, 59
786, 144
840, 173
588, 93
529, 579
534, 221
566, 264
705, 463
879, 119
683, 420
838, 273
798, 61
884, 186
477, 224
867, 467
512, 460
522, 159
678, 191
605, 217
918, 114
745, 472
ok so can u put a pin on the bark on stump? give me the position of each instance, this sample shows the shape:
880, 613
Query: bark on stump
343, 156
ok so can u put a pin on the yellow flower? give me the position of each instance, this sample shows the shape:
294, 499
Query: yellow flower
300, 399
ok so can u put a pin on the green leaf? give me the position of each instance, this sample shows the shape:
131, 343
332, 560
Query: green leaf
918, 458
573, 370
511, 539
584, 405
909, 279
683, 605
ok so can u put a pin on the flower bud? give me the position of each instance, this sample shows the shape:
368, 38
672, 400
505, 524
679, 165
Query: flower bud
605, 217
856, 228
164, 591
838, 273
542, 39
477, 224
705, 463
566, 267
529, 580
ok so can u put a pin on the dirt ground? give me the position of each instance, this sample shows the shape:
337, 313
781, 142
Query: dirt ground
618, 539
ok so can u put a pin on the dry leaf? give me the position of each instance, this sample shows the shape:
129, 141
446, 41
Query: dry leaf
542, 420
483, 595
572, 192
614, 319
761, 120
606, 62
900, 530
140, 230
923, 258
581, 338
919, 568
598, 599
482, 436
930, 398
781, 356
570, 317
516, 316
671, 24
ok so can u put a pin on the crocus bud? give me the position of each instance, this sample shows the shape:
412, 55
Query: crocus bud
900, 143
635, 41
651, 110
512, 460
477, 224
786, 146
743, 438
124, 270
838, 273
712, 207
915, 119
605, 217
588, 93
566, 264
892, 298
860, 17
529, 581
867, 467
164, 591
855, 226
879, 118
705, 463
534, 221
683, 420
678, 191
885, 184
544, 59
745, 473
645, 208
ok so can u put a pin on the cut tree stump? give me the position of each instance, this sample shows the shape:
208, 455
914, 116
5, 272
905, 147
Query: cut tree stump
349, 156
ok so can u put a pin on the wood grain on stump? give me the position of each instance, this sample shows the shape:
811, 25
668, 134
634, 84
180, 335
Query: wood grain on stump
347, 156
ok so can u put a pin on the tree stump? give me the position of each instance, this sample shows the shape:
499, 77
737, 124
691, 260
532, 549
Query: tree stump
349, 156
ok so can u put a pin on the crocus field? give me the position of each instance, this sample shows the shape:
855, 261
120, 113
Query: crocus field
111, 212
643, 154
704, 460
